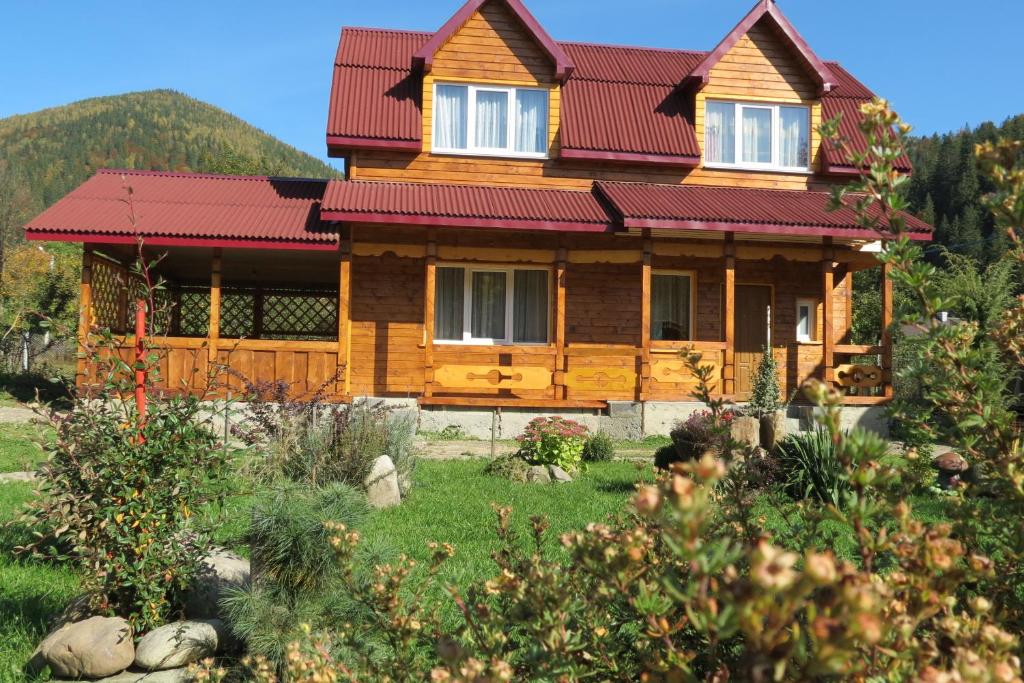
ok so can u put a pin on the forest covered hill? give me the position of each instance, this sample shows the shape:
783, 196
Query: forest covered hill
52, 151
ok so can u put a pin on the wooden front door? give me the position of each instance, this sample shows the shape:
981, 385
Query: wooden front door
753, 318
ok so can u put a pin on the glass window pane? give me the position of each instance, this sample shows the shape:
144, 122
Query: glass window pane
449, 303
531, 121
757, 135
794, 138
491, 119
530, 307
670, 307
451, 114
489, 296
720, 133
803, 323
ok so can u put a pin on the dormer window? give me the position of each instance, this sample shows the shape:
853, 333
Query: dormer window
488, 120
763, 137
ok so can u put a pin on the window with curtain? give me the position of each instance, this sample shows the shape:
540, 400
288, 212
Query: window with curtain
490, 120
491, 305
757, 136
671, 306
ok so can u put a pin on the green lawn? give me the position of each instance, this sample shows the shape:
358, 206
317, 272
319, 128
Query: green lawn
19, 447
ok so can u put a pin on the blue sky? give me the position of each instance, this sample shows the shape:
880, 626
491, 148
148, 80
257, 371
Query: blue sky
943, 63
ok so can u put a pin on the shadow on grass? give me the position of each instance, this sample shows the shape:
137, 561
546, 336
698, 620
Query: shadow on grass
51, 388
619, 487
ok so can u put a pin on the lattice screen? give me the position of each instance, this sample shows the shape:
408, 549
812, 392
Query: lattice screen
237, 314
255, 313
311, 315
192, 313
109, 296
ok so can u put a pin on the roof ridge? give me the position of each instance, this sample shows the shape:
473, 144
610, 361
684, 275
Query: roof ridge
646, 48
207, 176
377, 29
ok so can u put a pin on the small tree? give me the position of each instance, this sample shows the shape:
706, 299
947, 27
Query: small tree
766, 398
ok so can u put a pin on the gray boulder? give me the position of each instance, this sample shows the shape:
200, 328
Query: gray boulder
746, 431
179, 644
538, 474
382, 489
94, 648
221, 570
559, 475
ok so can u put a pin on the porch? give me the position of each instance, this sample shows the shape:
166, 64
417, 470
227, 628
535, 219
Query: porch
366, 317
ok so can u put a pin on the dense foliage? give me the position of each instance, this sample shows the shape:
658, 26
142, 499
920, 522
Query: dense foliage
811, 468
702, 431
765, 396
599, 448
553, 441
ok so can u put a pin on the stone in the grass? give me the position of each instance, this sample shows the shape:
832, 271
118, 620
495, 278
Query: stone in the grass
382, 489
559, 475
94, 648
746, 431
538, 474
220, 570
176, 645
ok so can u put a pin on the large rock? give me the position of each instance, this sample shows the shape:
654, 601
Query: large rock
94, 648
538, 474
221, 570
951, 462
746, 431
178, 644
773, 429
382, 489
559, 475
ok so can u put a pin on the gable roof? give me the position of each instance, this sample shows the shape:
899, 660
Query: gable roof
766, 10
190, 209
423, 58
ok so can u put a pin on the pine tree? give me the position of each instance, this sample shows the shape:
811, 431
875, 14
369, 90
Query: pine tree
765, 396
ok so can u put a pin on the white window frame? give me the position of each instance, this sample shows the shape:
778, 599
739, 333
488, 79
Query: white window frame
467, 305
774, 165
812, 305
692, 274
471, 148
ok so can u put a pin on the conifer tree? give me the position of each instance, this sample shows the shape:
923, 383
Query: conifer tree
765, 396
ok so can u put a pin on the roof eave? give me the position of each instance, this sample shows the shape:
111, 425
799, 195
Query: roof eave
343, 143
34, 235
423, 59
753, 228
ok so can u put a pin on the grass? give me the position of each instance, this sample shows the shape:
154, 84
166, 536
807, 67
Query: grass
19, 447
440, 488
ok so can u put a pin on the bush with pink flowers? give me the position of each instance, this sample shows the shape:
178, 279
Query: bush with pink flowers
554, 441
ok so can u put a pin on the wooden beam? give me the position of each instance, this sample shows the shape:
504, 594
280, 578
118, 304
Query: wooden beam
489, 402
645, 318
429, 293
561, 391
213, 333
828, 333
729, 366
345, 309
84, 312
887, 322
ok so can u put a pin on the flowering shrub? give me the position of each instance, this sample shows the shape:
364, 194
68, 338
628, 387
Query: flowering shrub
703, 431
554, 441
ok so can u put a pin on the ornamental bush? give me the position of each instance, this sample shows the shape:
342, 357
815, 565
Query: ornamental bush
554, 441
701, 432
765, 397
599, 448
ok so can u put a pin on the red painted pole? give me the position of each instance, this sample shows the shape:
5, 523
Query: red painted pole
140, 359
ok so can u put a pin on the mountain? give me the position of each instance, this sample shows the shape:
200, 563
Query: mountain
947, 186
50, 152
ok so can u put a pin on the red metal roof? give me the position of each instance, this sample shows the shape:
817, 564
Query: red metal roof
692, 207
464, 206
621, 103
181, 208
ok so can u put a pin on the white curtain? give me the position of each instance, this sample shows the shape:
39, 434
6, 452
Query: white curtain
488, 308
721, 133
757, 135
491, 119
530, 307
449, 301
531, 121
794, 148
670, 307
451, 111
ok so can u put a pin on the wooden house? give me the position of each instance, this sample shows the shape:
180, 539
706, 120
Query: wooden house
524, 224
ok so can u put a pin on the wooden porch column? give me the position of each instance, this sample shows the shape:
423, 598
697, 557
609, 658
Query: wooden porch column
828, 333
84, 312
645, 320
213, 334
887, 320
345, 309
729, 365
429, 291
560, 390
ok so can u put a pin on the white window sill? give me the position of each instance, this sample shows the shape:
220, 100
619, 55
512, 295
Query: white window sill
758, 169
493, 154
